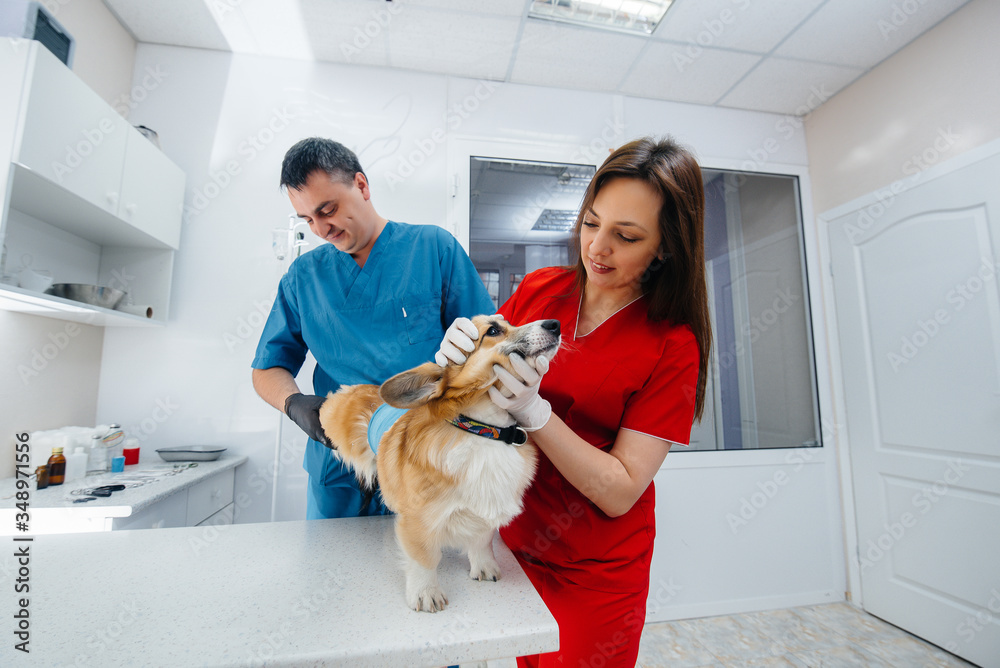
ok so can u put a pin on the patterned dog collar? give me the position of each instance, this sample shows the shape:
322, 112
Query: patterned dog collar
512, 435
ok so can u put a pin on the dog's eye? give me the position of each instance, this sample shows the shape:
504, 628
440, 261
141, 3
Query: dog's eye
492, 331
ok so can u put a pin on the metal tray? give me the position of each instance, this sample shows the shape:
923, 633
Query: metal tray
191, 453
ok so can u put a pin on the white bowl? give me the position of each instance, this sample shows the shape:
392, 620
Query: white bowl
38, 281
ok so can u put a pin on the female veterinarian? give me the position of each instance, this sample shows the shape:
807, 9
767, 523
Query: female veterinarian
627, 384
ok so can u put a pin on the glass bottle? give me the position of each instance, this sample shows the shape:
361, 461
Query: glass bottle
42, 476
57, 467
97, 458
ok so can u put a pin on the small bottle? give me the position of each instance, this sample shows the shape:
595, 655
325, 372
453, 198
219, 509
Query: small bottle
130, 450
114, 440
97, 459
57, 467
76, 464
42, 476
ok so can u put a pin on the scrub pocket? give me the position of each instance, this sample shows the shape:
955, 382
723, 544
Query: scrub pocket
422, 318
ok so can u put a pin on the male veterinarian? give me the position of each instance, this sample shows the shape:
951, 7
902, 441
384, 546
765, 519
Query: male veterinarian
373, 302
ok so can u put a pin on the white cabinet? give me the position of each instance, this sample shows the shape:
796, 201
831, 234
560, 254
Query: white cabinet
85, 196
152, 191
209, 497
168, 513
207, 502
70, 136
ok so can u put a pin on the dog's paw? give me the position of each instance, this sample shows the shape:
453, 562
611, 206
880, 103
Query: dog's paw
429, 599
489, 571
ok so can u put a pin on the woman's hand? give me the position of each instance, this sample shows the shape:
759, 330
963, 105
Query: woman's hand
461, 335
524, 404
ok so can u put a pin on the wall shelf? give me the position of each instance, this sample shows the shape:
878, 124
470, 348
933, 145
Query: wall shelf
85, 196
13, 298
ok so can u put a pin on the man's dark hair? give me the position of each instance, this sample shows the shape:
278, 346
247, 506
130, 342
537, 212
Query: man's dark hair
317, 153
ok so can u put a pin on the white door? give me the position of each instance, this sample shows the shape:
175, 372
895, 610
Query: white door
918, 316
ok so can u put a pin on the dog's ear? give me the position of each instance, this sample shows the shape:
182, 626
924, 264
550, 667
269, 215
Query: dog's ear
415, 387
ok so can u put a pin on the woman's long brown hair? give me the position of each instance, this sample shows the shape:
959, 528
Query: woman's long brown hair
676, 287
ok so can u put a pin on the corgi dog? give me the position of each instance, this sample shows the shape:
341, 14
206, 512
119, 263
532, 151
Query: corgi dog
454, 467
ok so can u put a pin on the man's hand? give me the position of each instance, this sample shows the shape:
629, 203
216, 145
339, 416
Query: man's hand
303, 409
458, 337
525, 406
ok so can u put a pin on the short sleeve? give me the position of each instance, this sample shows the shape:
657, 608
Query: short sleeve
664, 406
519, 306
281, 343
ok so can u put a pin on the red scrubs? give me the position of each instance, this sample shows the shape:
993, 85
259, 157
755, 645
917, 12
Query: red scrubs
629, 373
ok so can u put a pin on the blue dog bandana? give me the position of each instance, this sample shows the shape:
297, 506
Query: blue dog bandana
382, 420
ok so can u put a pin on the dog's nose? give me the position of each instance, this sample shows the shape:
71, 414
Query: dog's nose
551, 325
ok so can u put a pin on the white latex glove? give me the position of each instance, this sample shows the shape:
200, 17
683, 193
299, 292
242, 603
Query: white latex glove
524, 404
458, 337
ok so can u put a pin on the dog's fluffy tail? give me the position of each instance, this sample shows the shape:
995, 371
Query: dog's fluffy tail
344, 416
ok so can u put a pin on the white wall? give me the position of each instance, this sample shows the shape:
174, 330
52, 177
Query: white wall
227, 121
50, 370
934, 99
105, 51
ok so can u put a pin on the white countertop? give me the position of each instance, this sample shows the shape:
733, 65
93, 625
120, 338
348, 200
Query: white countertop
304, 593
53, 507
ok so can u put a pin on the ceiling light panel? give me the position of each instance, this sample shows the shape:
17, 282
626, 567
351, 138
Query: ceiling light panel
555, 220
632, 16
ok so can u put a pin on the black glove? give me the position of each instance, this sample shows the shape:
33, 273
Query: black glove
303, 409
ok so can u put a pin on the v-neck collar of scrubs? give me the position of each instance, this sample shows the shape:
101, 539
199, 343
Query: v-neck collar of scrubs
579, 307
362, 275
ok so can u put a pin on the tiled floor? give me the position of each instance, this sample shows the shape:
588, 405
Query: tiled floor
836, 635
827, 636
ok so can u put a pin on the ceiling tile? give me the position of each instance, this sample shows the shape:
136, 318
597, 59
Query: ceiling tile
671, 72
347, 31
734, 24
471, 45
501, 7
558, 55
789, 86
862, 33
175, 22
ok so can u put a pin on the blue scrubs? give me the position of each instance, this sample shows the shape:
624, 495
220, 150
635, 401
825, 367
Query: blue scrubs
364, 325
